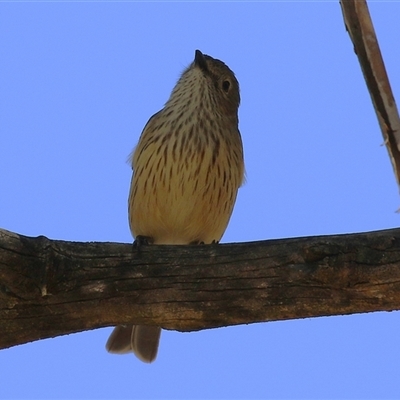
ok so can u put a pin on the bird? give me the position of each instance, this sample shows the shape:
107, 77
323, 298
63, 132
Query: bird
187, 168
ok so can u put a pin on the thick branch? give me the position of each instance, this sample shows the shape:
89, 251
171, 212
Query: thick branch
49, 288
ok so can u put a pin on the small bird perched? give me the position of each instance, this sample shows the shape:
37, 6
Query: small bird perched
188, 167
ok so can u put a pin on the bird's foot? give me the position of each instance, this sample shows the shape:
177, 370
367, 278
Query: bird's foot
141, 241
197, 242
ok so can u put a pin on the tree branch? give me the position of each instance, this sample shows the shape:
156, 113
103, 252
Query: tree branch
50, 287
362, 33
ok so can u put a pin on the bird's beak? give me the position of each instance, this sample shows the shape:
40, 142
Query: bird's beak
200, 60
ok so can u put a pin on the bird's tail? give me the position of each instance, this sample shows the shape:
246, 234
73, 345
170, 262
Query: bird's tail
143, 340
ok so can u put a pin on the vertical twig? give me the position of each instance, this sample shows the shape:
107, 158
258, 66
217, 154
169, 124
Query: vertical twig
361, 30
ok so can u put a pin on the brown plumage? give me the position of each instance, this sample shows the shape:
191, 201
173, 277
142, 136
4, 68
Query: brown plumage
188, 166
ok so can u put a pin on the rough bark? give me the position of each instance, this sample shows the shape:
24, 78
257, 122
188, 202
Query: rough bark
50, 287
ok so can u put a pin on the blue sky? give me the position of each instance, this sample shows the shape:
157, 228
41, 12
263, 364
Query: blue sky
78, 82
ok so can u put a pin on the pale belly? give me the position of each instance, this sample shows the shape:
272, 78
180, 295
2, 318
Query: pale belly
183, 201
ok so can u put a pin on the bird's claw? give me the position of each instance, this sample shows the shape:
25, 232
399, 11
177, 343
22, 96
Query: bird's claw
141, 240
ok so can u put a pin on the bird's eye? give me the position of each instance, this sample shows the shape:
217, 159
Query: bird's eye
226, 85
